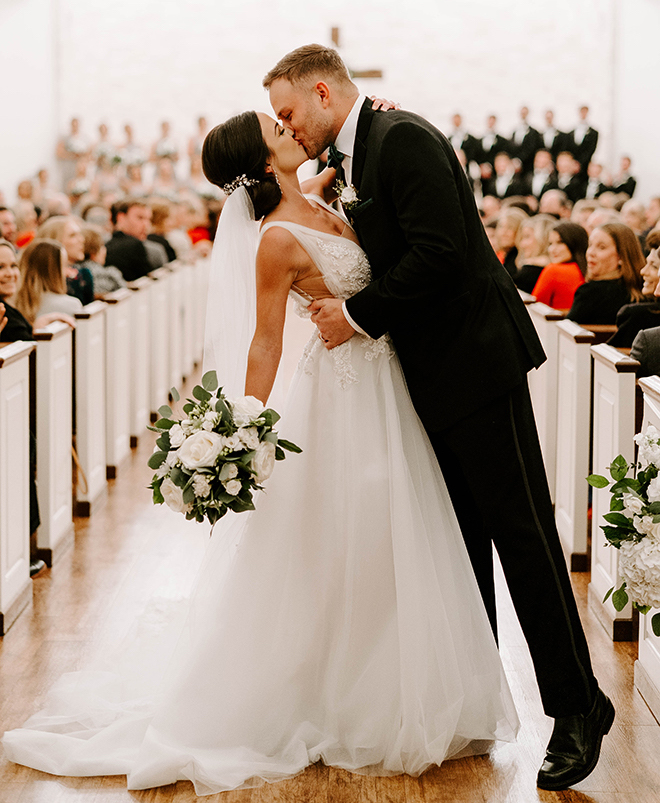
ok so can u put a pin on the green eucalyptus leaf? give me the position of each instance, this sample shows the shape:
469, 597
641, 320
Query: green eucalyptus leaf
200, 394
156, 460
174, 393
188, 495
290, 447
643, 609
620, 598
165, 423
188, 407
165, 411
619, 519
608, 595
655, 624
210, 381
619, 468
616, 503
597, 481
163, 443
179, 477
158, 496
279, 453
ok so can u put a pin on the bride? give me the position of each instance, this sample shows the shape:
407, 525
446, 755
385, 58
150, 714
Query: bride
340, 621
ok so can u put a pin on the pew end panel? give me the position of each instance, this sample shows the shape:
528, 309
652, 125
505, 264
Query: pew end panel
160, 340
118, 344
15, 584
647, 666
614, 401
573, 442
90, 407
54, 402
140, 358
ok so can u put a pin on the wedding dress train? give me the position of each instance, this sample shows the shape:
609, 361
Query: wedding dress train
339, 621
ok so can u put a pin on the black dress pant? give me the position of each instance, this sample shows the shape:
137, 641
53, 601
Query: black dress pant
494, 471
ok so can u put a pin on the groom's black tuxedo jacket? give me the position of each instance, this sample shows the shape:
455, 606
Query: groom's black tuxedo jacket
462, 333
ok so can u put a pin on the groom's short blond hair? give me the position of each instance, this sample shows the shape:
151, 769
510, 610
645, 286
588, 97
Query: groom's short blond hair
308, 60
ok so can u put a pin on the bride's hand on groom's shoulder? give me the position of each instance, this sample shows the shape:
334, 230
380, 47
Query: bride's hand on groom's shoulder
328, 315
382, 104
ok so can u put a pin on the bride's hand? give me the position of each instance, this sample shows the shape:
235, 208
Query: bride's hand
382, 104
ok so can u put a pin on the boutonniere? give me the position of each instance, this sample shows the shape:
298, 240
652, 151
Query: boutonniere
348, 196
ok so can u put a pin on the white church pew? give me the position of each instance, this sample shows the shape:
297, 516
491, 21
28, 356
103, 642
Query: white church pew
613, 400
647, 666
527, 298
159, 351
543, 387
573, 433
175, 326
188, 312
140, 356
202, 273
54, 407
90, 407
118, 346
15, 585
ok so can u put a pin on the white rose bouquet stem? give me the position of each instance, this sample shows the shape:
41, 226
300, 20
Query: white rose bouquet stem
213, 460
633, 525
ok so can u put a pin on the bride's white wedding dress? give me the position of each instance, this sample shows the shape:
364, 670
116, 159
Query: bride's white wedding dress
340, 621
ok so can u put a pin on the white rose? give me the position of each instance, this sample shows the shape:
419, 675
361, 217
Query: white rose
654, 490
632, 503
177, 436
232, 443
207, 425
245, 410
173, 496
201, 449
348, 195
201, 485
233, 487
249, 437
172, 458
263, 462
639, 566
162, 470
228, 472
187, 426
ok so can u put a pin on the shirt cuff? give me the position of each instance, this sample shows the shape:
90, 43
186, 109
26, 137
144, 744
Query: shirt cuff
351, 321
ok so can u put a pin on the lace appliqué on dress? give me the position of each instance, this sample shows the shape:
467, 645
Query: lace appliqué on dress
347, 270
374, 348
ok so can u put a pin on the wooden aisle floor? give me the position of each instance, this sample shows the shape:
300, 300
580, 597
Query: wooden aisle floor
129, 550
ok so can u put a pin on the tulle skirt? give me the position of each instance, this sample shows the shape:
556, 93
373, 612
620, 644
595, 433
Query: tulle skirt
340, 621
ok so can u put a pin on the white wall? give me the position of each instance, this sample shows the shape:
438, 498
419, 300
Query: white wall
28, 76
145, 60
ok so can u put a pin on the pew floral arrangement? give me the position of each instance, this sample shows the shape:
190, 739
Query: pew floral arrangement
213, 460
633, 525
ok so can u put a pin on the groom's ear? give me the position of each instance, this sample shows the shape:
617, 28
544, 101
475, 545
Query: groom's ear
322, 90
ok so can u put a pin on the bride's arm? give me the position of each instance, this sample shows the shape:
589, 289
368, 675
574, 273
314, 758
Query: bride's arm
278, 262
322, 185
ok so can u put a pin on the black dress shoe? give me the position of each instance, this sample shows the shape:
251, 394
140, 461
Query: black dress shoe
36, 566
574, 746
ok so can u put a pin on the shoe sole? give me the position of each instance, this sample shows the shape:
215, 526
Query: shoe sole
607, 725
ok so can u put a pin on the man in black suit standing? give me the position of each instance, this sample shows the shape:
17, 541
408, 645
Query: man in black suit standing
525, 142
462, 141
582, 141
466, 343
624, 181
491, 144
131, 219
569, 177
553, 139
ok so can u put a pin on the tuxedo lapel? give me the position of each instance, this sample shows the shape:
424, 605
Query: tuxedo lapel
365, 119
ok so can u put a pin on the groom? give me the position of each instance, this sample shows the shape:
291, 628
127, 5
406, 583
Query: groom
466, 343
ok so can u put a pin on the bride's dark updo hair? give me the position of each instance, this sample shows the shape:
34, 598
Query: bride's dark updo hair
236, 148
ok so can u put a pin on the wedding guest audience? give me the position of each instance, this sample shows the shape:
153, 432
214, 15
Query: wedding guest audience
542, 178
583, 210
197, 140
42, 189
583, 140
601, 216
130, 152
594, 186
623, 181
505, 183
66, 230
490, 207
652, 213
8, 228
569, 179
165, 182
525, 142
107, 278
491, 143
131, 219
645, 314
104, 149
555, 203
506, 235
56, 205
558, 281
461, 140
25, 190
532, 251
42, 287
70, 149
106, 178
161, 224
98, 215
553, 139
633, 214
165, 147
614, 263
608, 199
133, 184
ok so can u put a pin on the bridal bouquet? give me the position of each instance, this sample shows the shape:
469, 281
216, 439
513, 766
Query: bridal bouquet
214, 459
633, 525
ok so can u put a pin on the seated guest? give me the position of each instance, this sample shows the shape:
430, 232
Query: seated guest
505, 182
633, 214
568, 176
601, 216
646, 350
490, 208
165, 182
26, 223
652, 213
595, 186
107, 278
623, 181
555, 203
66, 230
8, 229
582, 211
131, 219
16, 326
543, 176
161, 224
614, 262
532, 251
42, 287
645, 314
506, 236
97, 215
567, 246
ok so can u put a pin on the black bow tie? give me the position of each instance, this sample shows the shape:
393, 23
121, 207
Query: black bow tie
335, 157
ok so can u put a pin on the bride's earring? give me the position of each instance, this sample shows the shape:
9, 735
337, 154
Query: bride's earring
276, 176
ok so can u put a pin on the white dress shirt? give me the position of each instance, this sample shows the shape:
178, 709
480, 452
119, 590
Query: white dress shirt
580, 132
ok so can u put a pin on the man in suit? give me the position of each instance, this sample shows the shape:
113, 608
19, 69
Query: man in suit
624, 180
462, 141
582, 141
594, 186
569, 178
553, 139
131, 219
491, 143
505, 183
525, 141
466, 343
542, 177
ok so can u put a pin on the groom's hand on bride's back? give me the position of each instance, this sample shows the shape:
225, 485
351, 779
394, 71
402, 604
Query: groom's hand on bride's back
331, 322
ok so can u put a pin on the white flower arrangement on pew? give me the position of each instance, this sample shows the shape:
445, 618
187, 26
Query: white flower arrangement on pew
213, 460
633, 525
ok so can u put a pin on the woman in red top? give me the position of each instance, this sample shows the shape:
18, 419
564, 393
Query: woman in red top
560, 279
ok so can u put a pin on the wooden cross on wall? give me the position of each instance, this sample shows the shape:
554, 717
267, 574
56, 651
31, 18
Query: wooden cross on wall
334, 34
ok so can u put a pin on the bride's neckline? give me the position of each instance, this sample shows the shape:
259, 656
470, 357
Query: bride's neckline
316, 231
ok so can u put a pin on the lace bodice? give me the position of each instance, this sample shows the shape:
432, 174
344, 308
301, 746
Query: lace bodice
345, 270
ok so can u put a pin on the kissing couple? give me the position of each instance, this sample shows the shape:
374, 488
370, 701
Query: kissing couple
351, 617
